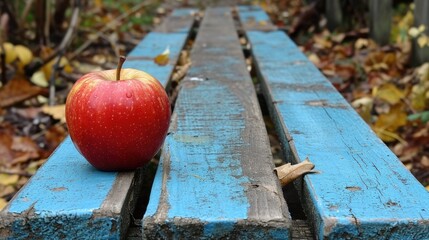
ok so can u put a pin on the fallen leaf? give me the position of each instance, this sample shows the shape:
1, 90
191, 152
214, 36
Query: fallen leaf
9, 52
414, 32
64, 64
389, 93
39, 79
287, 173
17, 90
6, 190
8, 179
163, 58
57, 112
422, 41
6, 154
425, 161
25, 144
364, 107
3, 203
24, 54
361, 43
387, 123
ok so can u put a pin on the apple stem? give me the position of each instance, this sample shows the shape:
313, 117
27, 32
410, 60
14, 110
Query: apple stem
119, 68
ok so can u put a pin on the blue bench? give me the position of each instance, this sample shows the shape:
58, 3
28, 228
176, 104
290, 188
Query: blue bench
363, 190
68, 198
215, 177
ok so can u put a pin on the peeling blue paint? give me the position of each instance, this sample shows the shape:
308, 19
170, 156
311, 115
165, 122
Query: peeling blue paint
143, 55
362, 190
75, 172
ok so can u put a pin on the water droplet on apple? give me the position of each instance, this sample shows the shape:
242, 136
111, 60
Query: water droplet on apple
129, 94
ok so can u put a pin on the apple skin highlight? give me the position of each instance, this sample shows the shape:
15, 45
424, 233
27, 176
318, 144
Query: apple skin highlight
118, 125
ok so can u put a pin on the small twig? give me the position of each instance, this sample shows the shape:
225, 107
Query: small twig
28, 5
47, 22
66, 40
55, 69
110, 25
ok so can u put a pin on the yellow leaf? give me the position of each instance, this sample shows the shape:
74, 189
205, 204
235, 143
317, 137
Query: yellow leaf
314, 58
361, 43
57, 112
427, 188
9, 51
39, 79
8, 179
413, 32
389, 93
3, 203
64, 63
422, 40
387, 123
364, 107
162, 59
418, 96
24, 54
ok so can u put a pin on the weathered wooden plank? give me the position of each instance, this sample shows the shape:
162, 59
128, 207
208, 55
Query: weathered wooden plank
215, 178
171, 34
253, 18
363, 191
69, 199
143, 55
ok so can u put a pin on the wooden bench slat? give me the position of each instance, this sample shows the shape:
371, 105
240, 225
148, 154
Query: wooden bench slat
215, 177
143, 55
67, 197
363, 190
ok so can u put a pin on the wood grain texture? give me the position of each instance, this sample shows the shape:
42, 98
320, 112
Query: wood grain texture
362, 191
215, 178
69, 199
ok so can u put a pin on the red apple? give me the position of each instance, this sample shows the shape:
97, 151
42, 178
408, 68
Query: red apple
118, 119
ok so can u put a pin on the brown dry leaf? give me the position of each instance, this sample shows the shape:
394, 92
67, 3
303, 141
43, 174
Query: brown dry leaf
425, 161
54, 136
29, 113
287, 173
17, 90
345, 72
25, 145
163, 58
57, 112
322, 42
6, 154
389, 93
